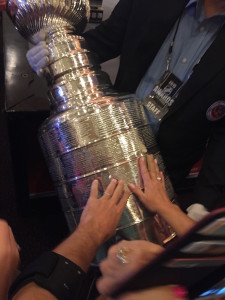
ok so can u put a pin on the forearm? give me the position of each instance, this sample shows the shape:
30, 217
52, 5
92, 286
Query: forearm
80, 247
175, 217
62, 271
50, 276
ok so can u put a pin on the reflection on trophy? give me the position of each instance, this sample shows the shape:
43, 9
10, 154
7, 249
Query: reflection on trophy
93, 131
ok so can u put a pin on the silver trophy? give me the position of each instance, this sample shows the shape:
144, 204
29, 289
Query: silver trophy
93, 131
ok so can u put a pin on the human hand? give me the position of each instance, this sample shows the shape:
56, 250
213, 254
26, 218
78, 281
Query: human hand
168, 216
124, 260
102, 214
9, 258
154, 195
38, 55
40, 36
38, 58
98, 223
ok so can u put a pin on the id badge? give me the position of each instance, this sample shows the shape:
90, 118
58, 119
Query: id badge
163, 95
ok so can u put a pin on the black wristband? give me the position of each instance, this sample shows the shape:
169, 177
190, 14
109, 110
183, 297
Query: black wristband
55, 273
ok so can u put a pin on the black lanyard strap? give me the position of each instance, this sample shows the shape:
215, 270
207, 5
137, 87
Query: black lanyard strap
169, 57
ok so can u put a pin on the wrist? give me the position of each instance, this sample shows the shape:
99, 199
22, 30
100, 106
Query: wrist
80, 247
53, 275
93, 232
164, 205
90, 232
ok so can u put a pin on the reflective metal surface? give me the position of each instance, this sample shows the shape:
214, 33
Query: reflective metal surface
93, 132
31, 16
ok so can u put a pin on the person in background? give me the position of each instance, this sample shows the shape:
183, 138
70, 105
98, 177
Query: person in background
171, 56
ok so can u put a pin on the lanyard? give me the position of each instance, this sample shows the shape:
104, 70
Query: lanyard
169, 57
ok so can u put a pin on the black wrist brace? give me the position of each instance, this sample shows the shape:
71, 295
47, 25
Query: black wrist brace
55, 273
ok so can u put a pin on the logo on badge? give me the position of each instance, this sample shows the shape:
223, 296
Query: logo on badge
216, 111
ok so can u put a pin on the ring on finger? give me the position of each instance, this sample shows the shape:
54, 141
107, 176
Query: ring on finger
159, 178
108, 194
122, 255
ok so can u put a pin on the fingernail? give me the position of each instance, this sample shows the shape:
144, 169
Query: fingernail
114, 180
180, 291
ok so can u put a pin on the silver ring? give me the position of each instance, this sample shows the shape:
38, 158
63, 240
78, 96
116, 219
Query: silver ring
108, 194
122, 255
159, 178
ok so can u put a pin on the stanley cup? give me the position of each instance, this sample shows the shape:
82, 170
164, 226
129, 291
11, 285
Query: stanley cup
93, 131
